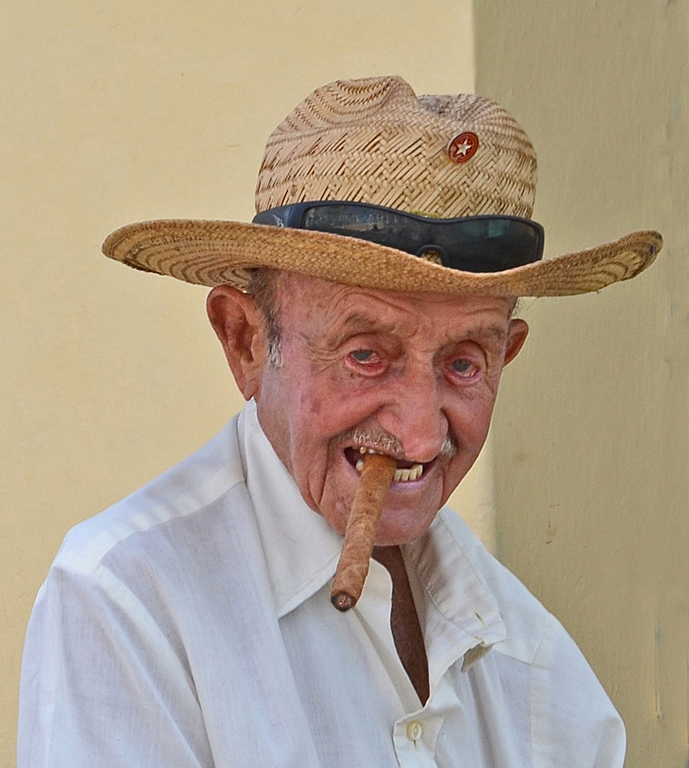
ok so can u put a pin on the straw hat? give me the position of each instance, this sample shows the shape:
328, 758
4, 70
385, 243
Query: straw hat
375, 141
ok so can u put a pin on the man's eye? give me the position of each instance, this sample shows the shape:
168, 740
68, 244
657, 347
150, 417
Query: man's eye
363, 355
464, 367
366, 362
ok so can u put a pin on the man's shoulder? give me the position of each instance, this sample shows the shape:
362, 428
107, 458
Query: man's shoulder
186, 489
569, 711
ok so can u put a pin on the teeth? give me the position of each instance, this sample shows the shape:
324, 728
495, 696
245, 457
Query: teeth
401, 475
407, 475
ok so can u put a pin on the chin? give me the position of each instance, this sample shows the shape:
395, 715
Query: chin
395, 530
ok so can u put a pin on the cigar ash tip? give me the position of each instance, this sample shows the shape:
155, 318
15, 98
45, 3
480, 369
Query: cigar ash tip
342, 601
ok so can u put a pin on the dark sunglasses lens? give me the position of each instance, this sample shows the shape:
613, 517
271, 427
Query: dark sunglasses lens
376, 225
490, 244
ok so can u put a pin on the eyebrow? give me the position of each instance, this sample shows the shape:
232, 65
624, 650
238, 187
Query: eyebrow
365, 323
357, 323
494, 332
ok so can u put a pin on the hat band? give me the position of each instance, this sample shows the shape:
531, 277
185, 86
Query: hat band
470, 244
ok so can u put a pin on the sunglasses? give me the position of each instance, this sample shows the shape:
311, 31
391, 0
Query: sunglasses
471, 243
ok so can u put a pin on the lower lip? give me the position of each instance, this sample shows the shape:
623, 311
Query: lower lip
409, 485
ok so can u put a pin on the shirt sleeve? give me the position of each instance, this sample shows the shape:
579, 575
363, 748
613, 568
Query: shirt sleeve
575, 725
103, 684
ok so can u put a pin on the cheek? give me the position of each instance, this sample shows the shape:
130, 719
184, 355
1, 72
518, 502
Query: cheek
470, 419
308, 401
310, 406
335, 402
317, 413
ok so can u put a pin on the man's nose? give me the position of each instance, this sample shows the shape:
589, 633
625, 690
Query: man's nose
414, 413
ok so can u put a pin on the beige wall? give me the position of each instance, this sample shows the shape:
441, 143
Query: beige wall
115, 111
591, 435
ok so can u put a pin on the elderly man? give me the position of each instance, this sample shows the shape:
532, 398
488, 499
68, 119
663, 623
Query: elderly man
367, 311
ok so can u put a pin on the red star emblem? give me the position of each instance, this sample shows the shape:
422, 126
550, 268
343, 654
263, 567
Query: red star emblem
462, 147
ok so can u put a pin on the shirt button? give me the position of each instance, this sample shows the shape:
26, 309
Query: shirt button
414, 730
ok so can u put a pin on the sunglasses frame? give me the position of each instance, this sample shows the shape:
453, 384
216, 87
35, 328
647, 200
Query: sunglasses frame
294, 216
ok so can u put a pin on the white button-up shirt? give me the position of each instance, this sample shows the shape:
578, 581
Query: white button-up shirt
190, 626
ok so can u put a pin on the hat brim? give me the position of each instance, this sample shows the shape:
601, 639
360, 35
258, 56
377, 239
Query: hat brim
224, 253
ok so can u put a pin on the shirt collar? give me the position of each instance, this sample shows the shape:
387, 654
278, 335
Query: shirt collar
460, 610
302, 552
301, 548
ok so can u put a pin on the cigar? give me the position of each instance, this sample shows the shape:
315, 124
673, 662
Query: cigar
352, 569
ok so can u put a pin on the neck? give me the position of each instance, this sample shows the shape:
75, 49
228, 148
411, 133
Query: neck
404, 621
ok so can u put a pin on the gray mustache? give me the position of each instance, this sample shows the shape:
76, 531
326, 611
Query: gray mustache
385, 442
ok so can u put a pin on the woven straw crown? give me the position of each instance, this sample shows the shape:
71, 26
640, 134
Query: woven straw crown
375, 141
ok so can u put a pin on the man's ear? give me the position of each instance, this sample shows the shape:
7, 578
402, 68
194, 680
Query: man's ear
238, 324
516, 336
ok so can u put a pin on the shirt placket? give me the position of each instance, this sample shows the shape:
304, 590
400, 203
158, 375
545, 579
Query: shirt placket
415, 736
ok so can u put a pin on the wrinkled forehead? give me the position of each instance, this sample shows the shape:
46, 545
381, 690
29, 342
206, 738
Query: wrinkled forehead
292, 288
313, 305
